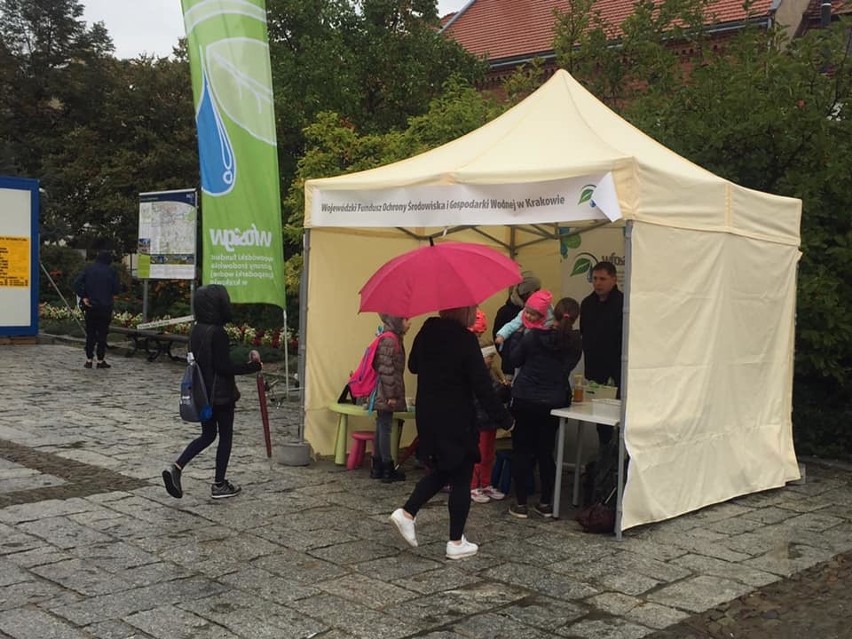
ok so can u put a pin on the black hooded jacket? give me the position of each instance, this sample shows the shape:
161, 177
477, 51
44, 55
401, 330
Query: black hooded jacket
450, 371
209, 344
546, 367
99, 283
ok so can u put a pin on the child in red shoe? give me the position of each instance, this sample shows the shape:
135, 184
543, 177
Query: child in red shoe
481, 490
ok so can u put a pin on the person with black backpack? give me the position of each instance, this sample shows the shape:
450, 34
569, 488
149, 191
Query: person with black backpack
208, 342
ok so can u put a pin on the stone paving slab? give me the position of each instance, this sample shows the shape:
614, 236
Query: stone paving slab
91, 546
814, 603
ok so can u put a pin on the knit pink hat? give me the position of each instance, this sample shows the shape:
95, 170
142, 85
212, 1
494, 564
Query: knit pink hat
480, 324
540, 303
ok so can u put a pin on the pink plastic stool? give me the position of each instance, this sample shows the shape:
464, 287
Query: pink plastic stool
359, 447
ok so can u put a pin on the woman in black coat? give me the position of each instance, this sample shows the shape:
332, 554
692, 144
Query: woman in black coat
209, 344
450, 371
545, 355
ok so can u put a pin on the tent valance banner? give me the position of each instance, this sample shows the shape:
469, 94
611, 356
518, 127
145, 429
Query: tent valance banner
583, 198
241, 207
168, 223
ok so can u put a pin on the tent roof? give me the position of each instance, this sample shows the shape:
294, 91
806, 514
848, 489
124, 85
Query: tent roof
562, 131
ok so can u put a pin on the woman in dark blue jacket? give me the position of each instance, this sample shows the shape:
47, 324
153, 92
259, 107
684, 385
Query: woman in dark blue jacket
209, 344
545, 355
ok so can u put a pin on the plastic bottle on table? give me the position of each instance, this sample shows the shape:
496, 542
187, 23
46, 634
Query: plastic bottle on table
578, 389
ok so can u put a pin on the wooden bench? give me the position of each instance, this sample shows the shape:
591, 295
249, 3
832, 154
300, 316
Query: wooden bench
345, 410
152, 342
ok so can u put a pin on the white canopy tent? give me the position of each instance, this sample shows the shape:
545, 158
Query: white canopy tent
710, 281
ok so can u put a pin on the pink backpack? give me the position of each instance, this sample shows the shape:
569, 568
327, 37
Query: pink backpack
364, 380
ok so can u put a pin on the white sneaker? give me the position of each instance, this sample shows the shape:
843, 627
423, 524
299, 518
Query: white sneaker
405, 526
478, 495
464, 549
493, 493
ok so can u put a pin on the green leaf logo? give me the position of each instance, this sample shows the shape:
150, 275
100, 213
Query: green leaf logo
586, 193
582, 265
237, 68
572, 241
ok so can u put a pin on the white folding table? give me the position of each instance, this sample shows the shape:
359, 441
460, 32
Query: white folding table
582, 412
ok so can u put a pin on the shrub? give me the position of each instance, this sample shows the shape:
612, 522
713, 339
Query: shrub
63, 264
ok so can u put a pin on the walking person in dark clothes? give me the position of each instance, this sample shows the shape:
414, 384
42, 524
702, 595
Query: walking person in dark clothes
208, 342
96, 286
601, 322
546, 355
450, 371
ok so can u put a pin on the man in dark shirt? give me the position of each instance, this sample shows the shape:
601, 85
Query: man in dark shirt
96, 286
601, 321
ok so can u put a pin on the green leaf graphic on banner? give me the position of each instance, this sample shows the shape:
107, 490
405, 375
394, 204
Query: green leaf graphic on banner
215, 9
581, 266
236, 68
572, 241
587, 193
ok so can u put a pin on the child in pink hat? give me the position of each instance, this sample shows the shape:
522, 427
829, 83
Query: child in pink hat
535, 314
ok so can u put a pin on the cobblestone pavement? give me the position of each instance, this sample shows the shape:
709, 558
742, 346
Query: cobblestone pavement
816, 602
92, 547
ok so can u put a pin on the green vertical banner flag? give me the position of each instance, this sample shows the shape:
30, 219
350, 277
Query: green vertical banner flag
241, 207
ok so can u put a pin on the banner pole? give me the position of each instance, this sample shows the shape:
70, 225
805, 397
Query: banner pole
286, 355
145, 300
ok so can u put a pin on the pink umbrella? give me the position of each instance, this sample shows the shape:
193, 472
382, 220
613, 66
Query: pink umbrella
432, 278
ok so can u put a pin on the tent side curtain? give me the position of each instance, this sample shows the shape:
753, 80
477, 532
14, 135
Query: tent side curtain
709, 370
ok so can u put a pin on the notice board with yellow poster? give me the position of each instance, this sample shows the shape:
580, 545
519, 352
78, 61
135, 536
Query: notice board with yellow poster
19, 206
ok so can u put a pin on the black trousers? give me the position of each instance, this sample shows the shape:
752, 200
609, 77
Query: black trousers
459, 502
533, 439
97, 326
223, 422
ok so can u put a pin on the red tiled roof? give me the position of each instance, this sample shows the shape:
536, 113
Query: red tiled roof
838, 7
501, 29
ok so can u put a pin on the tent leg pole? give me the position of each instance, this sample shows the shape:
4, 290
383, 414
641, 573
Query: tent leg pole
303, 327
619, 510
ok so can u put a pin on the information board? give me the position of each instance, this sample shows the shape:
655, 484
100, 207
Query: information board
19, 202
168, 223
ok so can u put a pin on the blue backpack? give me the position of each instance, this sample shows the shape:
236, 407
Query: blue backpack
194, 402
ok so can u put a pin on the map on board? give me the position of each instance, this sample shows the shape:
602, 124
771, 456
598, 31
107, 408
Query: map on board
168, 223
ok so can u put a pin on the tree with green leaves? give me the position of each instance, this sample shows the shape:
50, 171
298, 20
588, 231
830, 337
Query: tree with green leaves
50, 69
143, 139
335, 146
94, 130
376, 63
